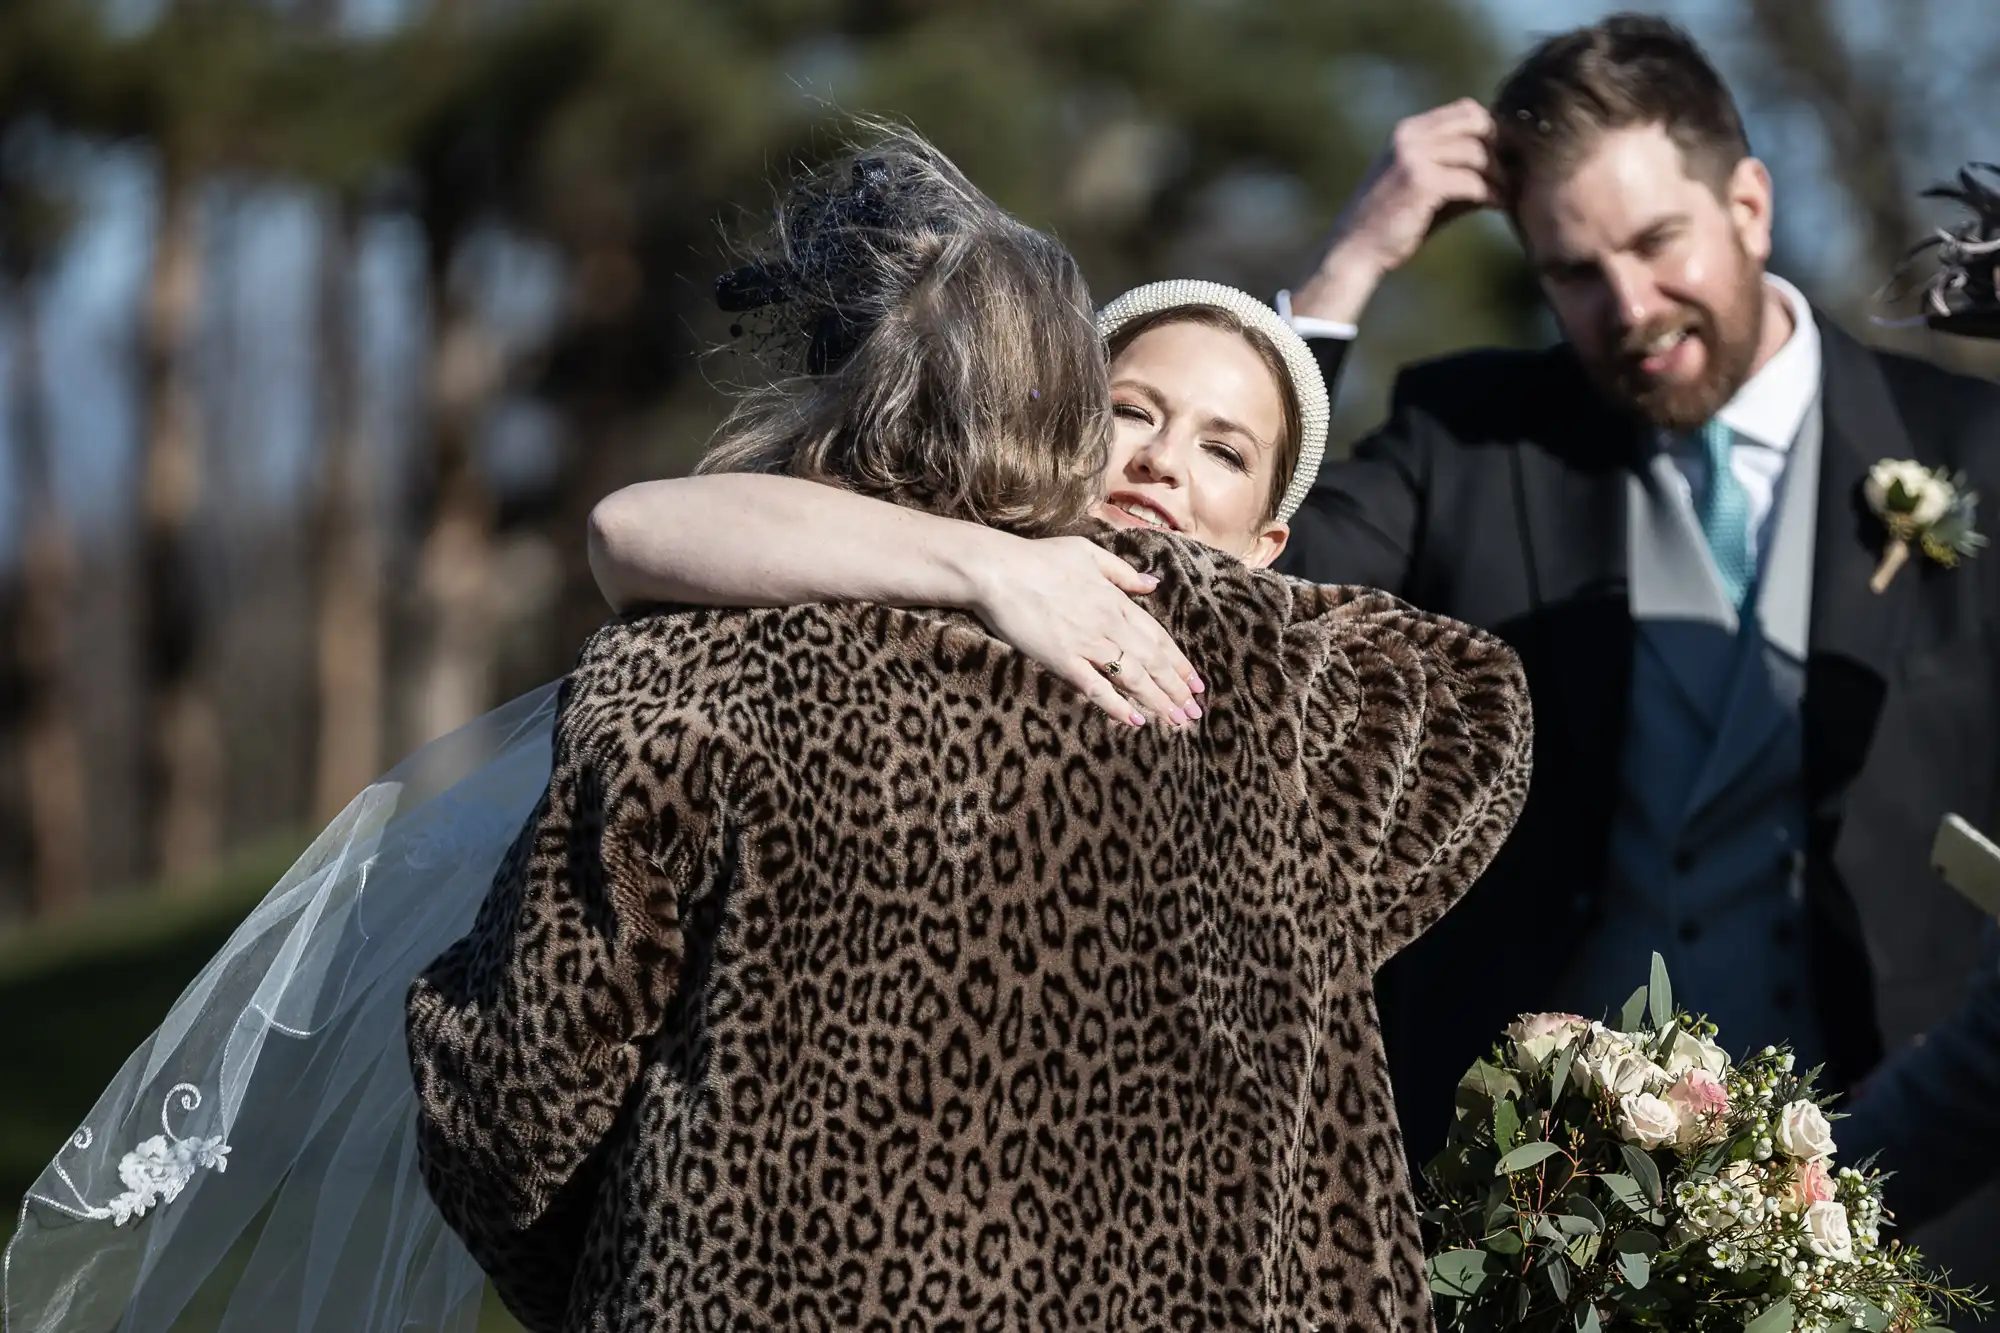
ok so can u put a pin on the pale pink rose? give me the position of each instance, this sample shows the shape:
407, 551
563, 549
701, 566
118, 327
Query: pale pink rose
1828, 1232
1538, 1036
1699, 1093
1812, 1184
1702, 1100
1529, 1026
1804, 1133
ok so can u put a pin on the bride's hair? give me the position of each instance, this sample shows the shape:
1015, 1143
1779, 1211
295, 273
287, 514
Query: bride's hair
948, 355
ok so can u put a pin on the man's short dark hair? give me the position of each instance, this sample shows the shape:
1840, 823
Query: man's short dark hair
1628, 70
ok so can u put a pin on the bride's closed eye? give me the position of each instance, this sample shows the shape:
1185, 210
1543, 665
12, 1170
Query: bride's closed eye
1228, 455
1132, 412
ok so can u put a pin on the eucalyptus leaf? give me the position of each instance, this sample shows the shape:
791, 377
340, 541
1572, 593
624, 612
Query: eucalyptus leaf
1489, 1081
1660, 995
1558, 1275
1636, 1268
1583, 1250
1584, 1210
1634, 1241
1652, 1301
1562, 1061
1643, 1170
1628, 1192
1479, 1163
1505, 1243
1526, 1156
1586, 1318
1506, 1124
1777, 1319
1710, 1163
1572, 1225
1459, 1274
1632, 1017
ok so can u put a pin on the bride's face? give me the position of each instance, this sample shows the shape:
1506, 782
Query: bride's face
1198, 425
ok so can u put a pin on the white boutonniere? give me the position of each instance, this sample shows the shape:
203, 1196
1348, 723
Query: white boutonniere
1928, 508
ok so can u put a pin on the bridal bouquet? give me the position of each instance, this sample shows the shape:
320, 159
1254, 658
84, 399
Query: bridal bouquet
1602, 1178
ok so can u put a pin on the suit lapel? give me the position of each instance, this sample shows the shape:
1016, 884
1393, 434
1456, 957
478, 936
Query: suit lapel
1767, 682
1857, 635
1675, 593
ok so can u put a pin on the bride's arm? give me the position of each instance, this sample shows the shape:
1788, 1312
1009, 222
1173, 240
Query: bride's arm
744, 539
741, 539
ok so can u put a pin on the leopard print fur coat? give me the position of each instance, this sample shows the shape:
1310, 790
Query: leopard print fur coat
855, 973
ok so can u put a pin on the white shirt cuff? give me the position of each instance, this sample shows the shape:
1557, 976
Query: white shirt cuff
1308, 327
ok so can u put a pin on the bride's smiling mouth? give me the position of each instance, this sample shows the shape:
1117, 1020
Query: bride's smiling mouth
1131, 509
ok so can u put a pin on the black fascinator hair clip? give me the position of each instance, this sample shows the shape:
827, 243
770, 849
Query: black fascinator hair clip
751, 287
830, 242
1960, 297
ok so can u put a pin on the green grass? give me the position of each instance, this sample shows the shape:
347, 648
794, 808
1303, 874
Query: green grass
80, 994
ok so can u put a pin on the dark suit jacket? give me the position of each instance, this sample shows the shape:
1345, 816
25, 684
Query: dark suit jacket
1496, 494
1932, 1111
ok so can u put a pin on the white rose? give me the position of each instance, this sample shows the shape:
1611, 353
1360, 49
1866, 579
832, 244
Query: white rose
1930, 496
1601, 1040
1744, 1178
1827, 1232
1538, 1036
1627, 1072
1600, 1044
1647, 1120
1687, 1051
1933, 502
1803, 1132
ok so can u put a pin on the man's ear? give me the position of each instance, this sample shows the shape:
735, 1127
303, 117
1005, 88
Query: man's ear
1749, 199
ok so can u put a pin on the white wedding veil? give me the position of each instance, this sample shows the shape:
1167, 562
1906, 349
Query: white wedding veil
253, 1165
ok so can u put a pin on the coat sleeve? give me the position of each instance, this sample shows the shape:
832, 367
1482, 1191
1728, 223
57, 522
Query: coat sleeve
1932, 1111
527, 1036
1362, 522
1416, 752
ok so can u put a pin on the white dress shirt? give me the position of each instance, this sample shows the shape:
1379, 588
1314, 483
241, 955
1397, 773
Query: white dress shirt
1765, 414
1308, 326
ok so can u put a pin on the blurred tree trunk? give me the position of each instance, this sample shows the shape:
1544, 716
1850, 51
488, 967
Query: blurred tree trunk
182, 779
52, 748
1801, 53
454, 629
346, 547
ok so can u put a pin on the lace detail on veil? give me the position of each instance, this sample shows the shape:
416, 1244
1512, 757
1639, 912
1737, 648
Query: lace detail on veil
153, 1173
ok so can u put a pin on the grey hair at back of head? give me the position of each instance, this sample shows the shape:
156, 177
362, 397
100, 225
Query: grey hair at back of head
947, 355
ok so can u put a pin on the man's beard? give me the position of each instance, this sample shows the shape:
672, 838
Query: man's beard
1729, 338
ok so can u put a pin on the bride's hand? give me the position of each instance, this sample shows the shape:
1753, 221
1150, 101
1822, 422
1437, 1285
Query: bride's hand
1067, 603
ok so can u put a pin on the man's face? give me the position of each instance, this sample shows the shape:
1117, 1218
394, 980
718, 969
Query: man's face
1656, 280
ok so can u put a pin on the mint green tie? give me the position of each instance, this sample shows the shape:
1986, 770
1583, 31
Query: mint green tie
1725, 514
